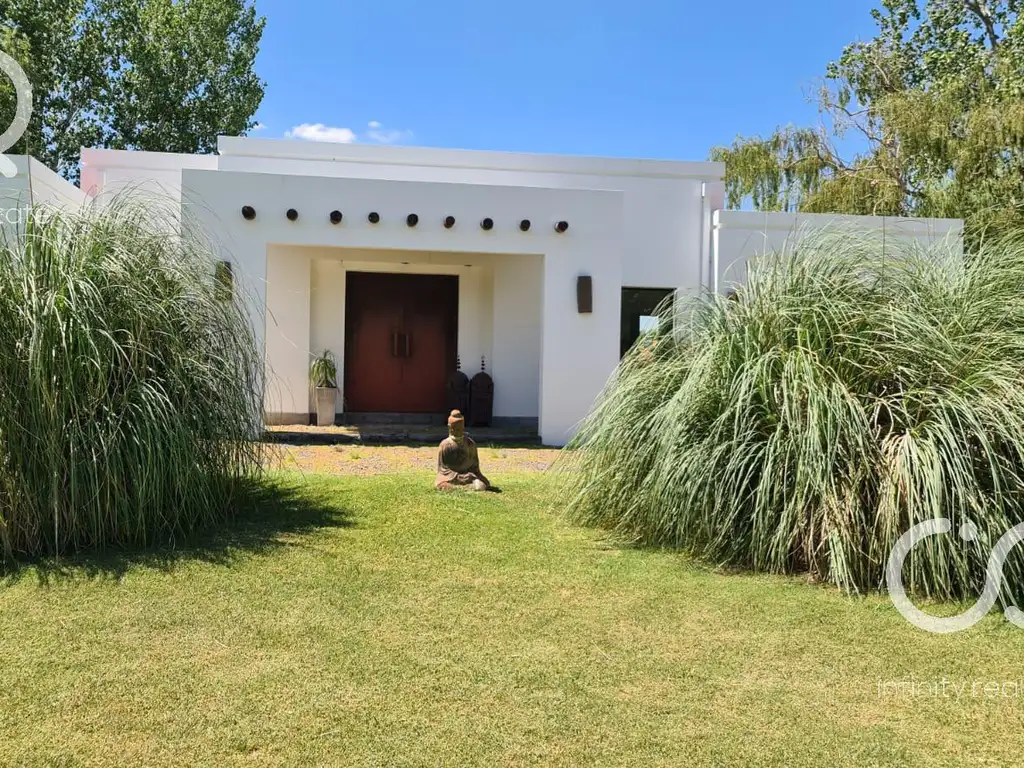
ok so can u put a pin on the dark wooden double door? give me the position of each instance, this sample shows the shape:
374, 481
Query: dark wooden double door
401, 333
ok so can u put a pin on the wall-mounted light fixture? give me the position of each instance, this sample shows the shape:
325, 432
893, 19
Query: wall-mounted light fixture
449, 222
561, 227
412, 220
373, 218
248, 212
292, 214
487, 224
584, 294
336, 217
524, 225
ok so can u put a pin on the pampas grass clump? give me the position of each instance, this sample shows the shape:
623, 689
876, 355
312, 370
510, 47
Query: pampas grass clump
843, 397
130, 384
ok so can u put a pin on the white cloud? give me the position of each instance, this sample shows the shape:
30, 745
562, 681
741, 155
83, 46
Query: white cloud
321, 132
374, 133
257, 127
387, 135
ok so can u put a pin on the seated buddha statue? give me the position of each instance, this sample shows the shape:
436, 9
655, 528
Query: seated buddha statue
458, 465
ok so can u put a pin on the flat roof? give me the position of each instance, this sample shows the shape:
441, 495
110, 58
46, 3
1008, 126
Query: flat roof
297, 149
142, 159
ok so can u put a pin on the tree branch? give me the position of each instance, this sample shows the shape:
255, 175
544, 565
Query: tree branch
980, 9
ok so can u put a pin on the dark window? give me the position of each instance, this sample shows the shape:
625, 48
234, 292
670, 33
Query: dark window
639, 313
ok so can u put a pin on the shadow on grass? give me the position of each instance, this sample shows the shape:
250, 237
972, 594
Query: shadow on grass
270, 514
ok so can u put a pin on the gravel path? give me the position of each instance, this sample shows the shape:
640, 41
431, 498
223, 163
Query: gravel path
382, 459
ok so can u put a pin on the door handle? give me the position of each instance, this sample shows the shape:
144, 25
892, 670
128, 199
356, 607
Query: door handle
401, 344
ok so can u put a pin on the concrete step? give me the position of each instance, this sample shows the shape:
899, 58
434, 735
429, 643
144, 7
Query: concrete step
383, 434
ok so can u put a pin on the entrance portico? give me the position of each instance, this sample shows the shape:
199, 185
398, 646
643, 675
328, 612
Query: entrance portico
517, 302
495, 305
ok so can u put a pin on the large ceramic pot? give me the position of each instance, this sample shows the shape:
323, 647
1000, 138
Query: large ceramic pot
326, 406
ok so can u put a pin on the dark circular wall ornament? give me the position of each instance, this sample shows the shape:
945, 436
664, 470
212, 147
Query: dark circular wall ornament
487, 224
336, 217
412, 220
524, 225
449, 222
373, 218
292, 214
561, 226
248, 212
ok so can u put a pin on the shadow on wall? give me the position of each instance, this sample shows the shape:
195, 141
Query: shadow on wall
268, 512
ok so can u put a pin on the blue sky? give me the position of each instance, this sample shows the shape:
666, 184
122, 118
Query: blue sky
646, 78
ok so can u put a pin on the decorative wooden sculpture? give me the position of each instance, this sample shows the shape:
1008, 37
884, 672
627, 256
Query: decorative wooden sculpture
481, 397
457, 389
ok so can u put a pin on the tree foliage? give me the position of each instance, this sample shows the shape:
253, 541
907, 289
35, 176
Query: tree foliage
160, 75
934, 106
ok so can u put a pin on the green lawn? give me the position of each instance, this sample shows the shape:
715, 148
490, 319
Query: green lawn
372, 621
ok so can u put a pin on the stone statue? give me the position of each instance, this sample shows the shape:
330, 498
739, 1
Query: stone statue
458, 465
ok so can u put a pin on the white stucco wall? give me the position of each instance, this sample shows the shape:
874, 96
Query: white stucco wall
106, 172
666, 204
577, 351
327, 313
287, 331
35, 184
739, 236
14, 194
517, 328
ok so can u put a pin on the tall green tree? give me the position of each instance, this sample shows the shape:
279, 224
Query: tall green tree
933, 109
160, 75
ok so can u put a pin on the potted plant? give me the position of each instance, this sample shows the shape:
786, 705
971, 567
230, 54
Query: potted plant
323, 373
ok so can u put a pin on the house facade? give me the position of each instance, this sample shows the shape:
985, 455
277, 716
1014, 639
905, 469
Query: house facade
407, 263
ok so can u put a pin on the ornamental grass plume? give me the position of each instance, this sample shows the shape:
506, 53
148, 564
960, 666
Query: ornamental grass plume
844, 396
130, 383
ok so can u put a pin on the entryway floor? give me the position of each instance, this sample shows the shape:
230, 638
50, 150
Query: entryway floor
370, 434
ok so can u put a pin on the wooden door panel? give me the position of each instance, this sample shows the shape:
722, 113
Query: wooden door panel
400, 341
372, 373
425, 370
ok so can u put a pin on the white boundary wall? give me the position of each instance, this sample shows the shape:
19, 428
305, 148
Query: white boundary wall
107, 172
35, 184
739, 236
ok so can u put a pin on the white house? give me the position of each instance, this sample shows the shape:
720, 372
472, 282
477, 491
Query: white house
406, 261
